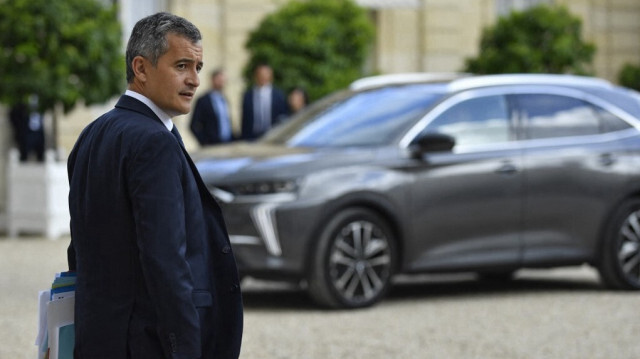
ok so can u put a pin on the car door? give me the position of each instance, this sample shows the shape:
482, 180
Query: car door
466, 204
574, 171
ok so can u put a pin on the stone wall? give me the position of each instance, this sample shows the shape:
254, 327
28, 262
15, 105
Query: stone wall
613, 25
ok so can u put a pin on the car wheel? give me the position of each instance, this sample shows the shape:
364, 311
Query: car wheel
620, 263
354, 260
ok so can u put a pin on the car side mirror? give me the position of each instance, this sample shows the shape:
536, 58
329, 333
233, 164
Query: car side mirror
433, 142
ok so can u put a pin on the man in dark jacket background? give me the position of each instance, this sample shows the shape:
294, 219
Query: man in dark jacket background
263, 105
156, 276
28, 129
211, 118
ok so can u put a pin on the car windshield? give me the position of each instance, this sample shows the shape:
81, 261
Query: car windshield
369, 118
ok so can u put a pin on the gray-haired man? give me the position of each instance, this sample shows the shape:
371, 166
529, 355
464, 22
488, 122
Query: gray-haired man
156, 277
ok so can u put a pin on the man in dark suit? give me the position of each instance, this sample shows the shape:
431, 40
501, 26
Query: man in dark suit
263, 105
210, 122
156, 277
28, 129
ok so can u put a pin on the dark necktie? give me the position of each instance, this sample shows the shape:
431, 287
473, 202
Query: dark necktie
175, 132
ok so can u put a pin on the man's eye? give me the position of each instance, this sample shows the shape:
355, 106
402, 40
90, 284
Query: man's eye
182, 66
198, 69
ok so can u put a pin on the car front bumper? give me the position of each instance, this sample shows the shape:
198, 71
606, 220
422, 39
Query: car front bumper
272, 239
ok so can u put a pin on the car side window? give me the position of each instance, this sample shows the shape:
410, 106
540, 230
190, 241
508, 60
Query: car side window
549, 116
611, 122
481, 120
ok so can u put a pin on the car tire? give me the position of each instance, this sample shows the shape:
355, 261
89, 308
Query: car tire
354, 260
619, 265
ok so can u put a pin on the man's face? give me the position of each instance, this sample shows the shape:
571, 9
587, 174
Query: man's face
217, 81
172, 83
263, 75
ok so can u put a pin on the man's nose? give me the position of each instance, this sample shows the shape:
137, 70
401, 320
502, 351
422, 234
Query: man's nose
193, 79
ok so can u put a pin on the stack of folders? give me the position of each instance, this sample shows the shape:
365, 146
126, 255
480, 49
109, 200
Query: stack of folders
56, 334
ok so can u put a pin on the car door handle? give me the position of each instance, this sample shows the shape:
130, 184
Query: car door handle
506, 169
607, 159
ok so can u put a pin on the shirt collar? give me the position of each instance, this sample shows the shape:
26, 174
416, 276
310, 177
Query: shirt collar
264, 88
163, 116
215, 94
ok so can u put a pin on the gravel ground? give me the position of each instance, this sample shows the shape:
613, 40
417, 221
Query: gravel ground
562, 313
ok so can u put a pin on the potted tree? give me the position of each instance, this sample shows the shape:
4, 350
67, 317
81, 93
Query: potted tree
56, 54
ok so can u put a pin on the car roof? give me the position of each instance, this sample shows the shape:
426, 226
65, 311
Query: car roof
528, 79
464, 81
403, 79
452, 82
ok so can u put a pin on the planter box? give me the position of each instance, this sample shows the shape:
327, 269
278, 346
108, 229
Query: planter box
37, 197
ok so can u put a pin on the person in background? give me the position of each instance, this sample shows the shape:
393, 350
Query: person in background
297, 99
211, 121
156, 276
263, 105
28, 129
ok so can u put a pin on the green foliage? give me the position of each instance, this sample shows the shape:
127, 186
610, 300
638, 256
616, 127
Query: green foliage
630, 76
541, 39
62, 50
320, 45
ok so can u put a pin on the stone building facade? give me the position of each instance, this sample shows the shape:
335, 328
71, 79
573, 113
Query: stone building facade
412, 35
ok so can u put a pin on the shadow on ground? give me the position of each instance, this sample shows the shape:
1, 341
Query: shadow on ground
472, 287
278, 296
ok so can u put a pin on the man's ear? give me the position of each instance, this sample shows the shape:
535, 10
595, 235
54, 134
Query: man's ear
139, 65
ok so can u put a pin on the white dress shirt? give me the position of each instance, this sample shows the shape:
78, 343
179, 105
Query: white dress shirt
163, 116
262, 108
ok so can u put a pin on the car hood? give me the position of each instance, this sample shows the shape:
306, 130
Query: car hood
258, 160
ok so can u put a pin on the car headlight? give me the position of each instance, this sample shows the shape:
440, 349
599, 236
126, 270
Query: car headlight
266, 187
276, 190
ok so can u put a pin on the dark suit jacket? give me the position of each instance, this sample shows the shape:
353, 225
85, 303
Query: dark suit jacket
205, 120
156, 274
279, 111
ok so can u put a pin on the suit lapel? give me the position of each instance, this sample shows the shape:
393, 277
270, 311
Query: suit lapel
204, 191
196, 174
132, 104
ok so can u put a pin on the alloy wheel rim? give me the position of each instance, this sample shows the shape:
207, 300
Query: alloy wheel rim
360, 261
629, 248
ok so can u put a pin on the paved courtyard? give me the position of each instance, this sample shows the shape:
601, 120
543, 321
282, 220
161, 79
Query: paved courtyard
562, 313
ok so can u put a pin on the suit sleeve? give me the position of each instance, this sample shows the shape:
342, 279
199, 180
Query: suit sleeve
155, 185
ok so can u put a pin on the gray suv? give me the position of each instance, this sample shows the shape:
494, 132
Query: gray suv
429, 173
